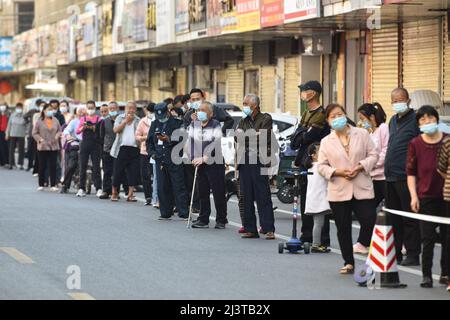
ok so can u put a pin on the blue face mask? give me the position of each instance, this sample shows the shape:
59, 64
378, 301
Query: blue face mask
202, 116
430, 128
247, 111
49, 114
195, 105
400, 107
113, 113
365, 124
339, 124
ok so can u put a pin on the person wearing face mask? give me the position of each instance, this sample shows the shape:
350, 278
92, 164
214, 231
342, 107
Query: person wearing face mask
31, 143
426, 186
72, 148
57, 112
312, 129
90, 147
125, 150
107, 136
104, 111
4, 147
206, 154
171, 186
40, 104
65, 111
346, 158
254, 184
402, 129
372, 118
141, 137
15, 134
47, 133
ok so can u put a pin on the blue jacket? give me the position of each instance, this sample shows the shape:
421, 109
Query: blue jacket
401, 132
162, 151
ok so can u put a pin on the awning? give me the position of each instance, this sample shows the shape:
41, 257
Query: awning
47, 87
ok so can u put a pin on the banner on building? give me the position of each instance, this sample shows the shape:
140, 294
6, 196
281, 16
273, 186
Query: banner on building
165, 22
25, 50
272, 13
62, 42
197, 14
106, 27
248, 15
297, 10
5, 54
214, 13
181, 16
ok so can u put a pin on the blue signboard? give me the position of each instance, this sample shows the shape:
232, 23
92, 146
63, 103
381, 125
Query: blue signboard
5, 54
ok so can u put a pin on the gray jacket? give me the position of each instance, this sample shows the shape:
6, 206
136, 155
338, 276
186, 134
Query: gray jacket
118, 141
17, 126
107, 134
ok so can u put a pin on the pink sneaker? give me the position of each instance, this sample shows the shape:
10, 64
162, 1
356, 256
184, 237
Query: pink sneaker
360, 249
241, 230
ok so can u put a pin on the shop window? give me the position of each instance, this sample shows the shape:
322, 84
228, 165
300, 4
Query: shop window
252, 82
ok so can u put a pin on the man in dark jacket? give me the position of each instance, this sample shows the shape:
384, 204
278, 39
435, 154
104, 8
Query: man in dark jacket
249, 160
170, 176
313, 128
402, 129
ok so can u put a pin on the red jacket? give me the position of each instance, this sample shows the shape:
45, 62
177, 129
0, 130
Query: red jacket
3, 123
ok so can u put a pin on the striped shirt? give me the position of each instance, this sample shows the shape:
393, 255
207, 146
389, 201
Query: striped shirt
444, 165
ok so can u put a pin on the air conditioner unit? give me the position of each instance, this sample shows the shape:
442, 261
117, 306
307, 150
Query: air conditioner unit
166, 80
203, 77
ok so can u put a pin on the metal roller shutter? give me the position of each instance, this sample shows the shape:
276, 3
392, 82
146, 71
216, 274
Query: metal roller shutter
267, 88
291, 82
422, 55
181, 81
384, 65
155, 94
235, 84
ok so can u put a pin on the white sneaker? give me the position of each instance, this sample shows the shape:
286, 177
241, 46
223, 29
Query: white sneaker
40, 189
81, 193
360, 249
54, 189
35, 175
99, 192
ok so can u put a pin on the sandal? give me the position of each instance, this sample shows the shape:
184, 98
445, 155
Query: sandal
131, 199
348, 269
114, 199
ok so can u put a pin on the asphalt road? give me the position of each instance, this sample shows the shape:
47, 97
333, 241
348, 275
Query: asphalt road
124, 252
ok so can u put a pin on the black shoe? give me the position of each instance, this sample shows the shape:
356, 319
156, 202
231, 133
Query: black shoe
104, 196
21, 168
63, 190
219, 225
409, 262
200, 225
164, 218
148, 202
443, 280
427, 282
10, 167
28, 169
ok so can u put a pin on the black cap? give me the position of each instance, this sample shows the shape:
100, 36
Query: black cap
311, 85
161, 110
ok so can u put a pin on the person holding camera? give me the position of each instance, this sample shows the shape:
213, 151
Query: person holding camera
90, 147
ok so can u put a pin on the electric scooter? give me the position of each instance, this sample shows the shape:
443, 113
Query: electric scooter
294, 245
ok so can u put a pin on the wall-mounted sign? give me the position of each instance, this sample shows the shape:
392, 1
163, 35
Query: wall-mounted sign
165, 22
248, 17
5, 54
296, 10
197, 14
214, 13
181, 16
272, 13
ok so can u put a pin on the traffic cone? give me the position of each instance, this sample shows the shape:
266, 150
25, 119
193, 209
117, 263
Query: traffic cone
382, 257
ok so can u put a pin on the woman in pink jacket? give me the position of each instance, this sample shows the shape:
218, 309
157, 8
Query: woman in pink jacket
346, 158
373, 118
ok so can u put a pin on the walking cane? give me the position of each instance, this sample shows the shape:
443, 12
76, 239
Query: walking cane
192, 199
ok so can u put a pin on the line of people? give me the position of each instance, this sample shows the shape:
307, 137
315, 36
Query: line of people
356, 168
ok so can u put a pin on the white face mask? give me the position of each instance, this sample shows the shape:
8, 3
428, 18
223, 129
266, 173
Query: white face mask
41, 109
150, 116
91, 112
2, 108
19, 110
63, 109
